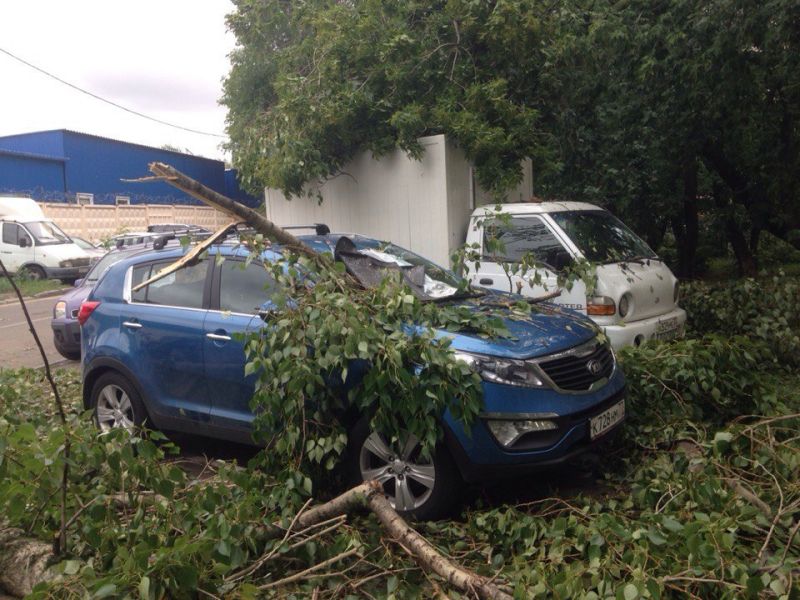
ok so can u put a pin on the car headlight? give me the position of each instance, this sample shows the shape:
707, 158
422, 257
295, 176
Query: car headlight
624, 305
60, 311
502, 370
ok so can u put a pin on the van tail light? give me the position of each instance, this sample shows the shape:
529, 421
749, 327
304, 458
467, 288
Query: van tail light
600, 306
87, 308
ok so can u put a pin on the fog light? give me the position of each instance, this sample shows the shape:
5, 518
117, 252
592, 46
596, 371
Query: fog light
508, 432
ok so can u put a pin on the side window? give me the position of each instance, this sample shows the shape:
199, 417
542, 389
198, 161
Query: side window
244, 289
521, 236
182, 288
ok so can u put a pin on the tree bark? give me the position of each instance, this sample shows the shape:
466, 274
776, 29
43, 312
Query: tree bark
745, 259
24, 561
428, 557
686, 225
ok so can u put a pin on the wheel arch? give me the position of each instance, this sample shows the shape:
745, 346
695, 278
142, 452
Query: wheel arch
101, 366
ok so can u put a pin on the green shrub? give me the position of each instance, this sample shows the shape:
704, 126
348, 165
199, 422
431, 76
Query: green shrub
765, 309
709, 381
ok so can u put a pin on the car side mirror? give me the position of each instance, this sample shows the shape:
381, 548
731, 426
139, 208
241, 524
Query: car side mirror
78, 283
23, 242
562, 260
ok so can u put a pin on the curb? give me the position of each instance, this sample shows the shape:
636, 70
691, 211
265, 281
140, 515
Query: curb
47, 294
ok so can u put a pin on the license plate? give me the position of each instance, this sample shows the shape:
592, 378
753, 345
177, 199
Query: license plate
606, 420
666, 329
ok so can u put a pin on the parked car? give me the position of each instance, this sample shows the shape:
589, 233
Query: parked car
95, 253
65, 326
31, 243
169, 355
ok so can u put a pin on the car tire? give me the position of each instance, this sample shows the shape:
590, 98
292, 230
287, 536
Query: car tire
34, 272
68, 354
116, 404
417, 488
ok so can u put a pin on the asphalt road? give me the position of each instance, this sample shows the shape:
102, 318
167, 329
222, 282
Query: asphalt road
17, 348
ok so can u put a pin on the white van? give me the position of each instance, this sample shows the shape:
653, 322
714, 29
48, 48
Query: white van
636, 295
34, 244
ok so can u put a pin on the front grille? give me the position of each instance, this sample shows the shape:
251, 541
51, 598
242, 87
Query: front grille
580, 368
81, 262
74, 313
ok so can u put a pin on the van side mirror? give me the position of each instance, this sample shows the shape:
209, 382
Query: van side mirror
561, 260
23, 242
78, 283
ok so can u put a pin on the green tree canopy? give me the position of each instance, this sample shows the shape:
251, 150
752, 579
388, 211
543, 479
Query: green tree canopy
680, 115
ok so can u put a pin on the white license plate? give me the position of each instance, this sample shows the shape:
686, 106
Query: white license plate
606, 420
667, 329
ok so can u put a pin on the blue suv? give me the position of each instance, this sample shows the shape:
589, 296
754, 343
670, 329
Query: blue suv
168, 354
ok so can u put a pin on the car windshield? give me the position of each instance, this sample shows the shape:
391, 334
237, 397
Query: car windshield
82, 243
47, 234
109, 259
439, 282
601, 237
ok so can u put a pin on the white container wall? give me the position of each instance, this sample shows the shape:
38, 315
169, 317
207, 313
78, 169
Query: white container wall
421, 205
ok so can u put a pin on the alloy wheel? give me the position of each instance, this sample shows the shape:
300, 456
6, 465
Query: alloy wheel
114, 409
407, 477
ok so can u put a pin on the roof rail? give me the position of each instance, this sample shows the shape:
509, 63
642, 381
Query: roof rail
319, 228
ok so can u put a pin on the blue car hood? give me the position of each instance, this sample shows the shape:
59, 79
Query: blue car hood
547, 329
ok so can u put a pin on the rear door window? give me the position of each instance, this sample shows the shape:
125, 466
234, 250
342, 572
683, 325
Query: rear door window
244, 289
183, 288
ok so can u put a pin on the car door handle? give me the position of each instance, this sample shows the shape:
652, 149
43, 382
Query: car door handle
219, 338
486, 281
132, 325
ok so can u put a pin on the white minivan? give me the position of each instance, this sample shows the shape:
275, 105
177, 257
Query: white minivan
35, 245
636, 295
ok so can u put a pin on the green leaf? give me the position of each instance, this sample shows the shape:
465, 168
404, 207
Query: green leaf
144, 588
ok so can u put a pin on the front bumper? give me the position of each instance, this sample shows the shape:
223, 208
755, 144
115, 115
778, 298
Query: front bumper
67, 334
480, 458
66, 272
636, 332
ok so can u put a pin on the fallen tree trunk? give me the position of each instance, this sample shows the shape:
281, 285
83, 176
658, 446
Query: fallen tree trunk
222, 203
429, 557
24, 562
370, 495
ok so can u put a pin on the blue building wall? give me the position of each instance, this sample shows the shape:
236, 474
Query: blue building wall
96, 165
233, 191
29, 174
49, 143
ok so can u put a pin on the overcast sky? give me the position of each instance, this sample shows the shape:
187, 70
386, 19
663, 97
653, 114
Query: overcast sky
164, 58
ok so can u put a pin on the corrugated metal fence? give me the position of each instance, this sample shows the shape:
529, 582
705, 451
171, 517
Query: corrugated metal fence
98, 221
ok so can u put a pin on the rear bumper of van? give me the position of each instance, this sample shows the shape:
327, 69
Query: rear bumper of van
667, 326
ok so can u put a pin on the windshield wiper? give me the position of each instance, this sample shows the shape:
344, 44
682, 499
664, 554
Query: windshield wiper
636, 258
